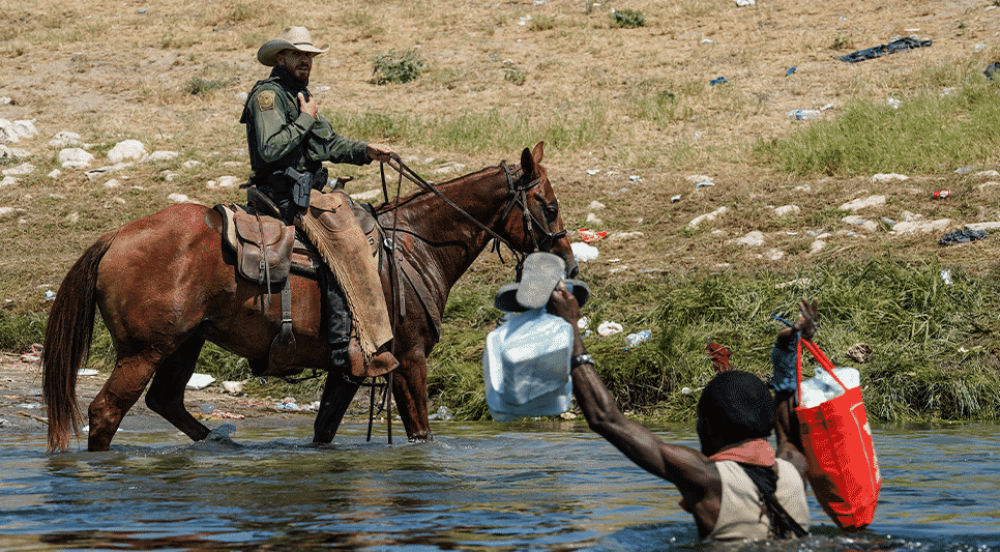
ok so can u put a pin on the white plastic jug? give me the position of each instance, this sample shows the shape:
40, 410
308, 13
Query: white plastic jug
526, 366
822, 387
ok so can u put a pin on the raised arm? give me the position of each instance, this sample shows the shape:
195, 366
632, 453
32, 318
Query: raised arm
686, 467
783, 360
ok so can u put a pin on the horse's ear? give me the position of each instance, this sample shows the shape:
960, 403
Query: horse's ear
539, 152
530, 158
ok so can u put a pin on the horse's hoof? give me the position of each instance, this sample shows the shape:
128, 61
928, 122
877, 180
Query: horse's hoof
422, 437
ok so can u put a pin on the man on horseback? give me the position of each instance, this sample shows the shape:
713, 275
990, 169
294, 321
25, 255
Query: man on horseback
288, 141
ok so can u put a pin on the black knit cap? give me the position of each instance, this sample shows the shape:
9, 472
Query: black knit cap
735, 406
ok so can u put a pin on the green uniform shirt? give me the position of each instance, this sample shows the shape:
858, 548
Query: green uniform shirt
279, 135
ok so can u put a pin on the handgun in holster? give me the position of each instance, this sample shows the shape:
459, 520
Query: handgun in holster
301, 186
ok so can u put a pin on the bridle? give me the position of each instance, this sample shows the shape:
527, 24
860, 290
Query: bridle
518, 195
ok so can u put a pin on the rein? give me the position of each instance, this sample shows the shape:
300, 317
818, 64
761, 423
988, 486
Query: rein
517, 196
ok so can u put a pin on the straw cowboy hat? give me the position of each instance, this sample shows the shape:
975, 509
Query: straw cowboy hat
292, 38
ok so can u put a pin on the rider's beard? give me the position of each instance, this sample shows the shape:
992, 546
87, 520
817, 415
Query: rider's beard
301, 73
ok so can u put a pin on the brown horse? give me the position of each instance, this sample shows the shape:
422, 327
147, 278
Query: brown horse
164, 287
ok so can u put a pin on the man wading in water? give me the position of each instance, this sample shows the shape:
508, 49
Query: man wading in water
737, 487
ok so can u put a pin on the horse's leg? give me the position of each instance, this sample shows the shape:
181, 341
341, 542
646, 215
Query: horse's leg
337, 396
123, 388
409, 389
166, 393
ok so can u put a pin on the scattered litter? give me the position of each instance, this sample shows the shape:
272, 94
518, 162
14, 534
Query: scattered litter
965, 170
946, 277
287, 405
707, 41
583, 252
991, 69
591, 236
698, 178
790, 71
86, 372
227, 415
979, 48
619, 191
744, 3
608, 328
596, 205
199, 381
442, 414
583, 323
894, 103
592, 172
826, 107
963, 236
720, 80
634, 339
675, 198
885, 49
941, 194
704, 184
804, 114
634, 178
34, 354
50, 295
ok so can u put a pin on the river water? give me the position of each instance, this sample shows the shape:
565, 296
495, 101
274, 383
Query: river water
541, 486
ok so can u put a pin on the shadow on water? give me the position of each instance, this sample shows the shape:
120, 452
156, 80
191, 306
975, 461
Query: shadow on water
478, 487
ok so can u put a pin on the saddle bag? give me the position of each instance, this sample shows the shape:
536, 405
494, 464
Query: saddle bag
264, 248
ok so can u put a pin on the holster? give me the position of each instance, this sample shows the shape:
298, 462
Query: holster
302, 184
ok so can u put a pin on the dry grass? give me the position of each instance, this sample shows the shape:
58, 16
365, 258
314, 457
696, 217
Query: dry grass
126, 70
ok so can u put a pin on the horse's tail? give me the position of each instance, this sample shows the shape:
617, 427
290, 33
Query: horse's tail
67, 342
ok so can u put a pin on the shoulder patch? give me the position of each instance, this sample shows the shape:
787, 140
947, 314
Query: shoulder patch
265, 100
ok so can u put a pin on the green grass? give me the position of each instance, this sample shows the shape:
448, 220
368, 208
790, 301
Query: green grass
935, 346
931, 132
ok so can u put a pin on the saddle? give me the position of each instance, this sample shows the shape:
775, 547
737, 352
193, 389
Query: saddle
267, 251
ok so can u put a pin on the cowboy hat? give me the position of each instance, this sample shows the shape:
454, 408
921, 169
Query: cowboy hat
292, 38
542, 273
